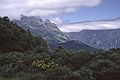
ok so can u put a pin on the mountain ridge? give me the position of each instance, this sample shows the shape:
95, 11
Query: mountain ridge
74, 45
104, 39
45, 29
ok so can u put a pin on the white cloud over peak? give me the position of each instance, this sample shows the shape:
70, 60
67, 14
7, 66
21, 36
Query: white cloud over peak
91, 25
57, 21
13, 8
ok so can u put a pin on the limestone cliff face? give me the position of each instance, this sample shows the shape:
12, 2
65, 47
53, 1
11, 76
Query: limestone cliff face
45, 29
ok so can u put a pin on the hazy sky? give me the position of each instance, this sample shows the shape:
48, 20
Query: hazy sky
14, 8
62, 11
106, 10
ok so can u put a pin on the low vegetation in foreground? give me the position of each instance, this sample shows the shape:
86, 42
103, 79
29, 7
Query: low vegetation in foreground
26, 57
60, 65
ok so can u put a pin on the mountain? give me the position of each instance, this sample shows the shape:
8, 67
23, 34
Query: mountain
102, 34
14, 38
103, 39
74, 45
50, 32
45, 29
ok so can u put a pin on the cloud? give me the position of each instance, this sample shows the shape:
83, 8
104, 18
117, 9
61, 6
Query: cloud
57, 21
91, 25
13, 8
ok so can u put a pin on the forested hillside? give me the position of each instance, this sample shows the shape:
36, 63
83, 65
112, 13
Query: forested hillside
26, 57
60, 65
14, 38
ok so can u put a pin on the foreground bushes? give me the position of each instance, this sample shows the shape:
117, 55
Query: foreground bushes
60, 65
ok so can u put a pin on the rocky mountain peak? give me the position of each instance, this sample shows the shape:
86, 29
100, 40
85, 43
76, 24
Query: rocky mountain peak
47, 21
30, 19
45, 29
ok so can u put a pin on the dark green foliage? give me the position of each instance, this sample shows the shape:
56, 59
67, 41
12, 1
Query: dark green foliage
14, 38
26, 57
103, 65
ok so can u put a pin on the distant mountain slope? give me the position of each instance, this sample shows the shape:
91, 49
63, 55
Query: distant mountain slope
14, 38
50, 32
46, 29
104, 39
74, 46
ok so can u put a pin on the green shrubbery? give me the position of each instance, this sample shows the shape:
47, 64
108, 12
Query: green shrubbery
26, 57
103, 65
14, 38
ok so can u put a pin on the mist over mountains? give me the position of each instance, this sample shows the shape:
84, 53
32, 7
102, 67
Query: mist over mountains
59, 40
101, 35
102, 24
50, 32
45, 29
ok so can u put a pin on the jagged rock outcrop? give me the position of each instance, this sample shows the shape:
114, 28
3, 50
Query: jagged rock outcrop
45, 29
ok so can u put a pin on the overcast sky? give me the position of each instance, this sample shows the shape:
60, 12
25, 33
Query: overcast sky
62, 11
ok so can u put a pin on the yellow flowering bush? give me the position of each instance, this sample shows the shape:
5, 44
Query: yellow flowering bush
44, 65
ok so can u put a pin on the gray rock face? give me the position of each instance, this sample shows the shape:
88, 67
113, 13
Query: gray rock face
103, 39
45, 29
